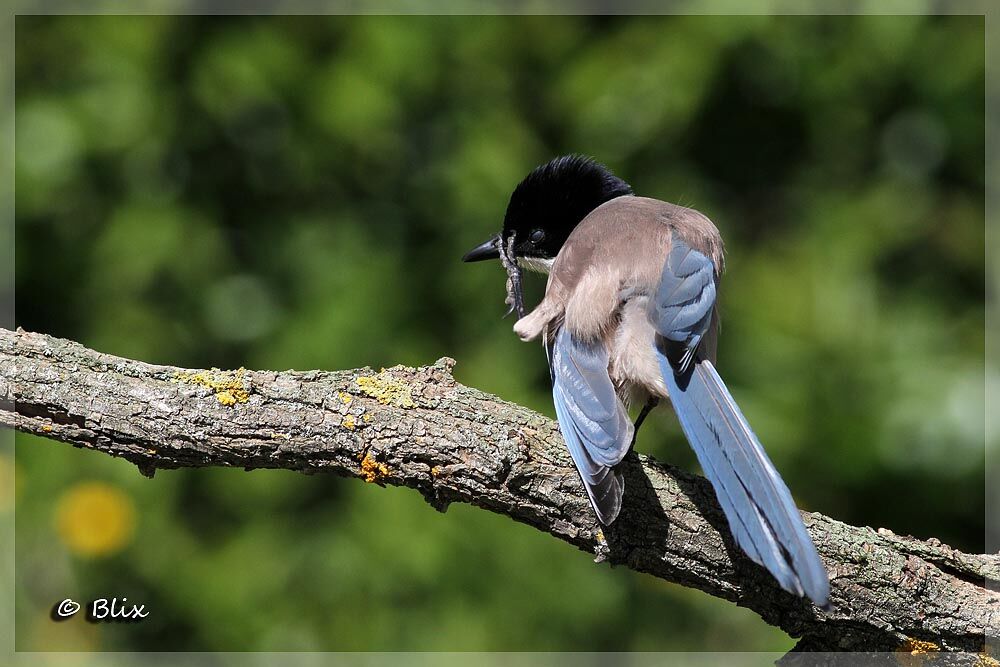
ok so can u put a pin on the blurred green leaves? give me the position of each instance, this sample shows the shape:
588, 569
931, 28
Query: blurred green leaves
281, 192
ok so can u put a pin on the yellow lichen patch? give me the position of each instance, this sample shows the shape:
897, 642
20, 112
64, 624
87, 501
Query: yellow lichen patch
918, 646
349, 423
986, 660
367, 417
345, 397
435, 471
95, 519
47, 428
386, 389
372, 470
230, 387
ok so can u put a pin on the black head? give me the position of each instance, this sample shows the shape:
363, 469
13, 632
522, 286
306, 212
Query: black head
549, 203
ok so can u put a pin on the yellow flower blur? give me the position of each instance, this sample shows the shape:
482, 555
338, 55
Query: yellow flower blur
95, 519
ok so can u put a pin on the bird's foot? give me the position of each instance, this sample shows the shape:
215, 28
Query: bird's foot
646, 409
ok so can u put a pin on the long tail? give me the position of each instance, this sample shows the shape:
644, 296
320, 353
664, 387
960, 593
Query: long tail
761, 513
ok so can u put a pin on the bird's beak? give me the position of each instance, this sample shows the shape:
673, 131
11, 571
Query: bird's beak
487, 250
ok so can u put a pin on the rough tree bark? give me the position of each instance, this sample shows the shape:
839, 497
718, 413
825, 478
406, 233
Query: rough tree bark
418, 427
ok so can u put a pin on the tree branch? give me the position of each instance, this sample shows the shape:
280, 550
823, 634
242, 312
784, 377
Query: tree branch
419, 428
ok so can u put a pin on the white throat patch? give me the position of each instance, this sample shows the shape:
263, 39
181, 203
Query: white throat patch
536, 264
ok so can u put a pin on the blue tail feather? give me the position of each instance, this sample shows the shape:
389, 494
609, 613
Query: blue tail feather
757, 503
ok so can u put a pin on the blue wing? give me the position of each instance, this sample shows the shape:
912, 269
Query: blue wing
761, 513
592, 419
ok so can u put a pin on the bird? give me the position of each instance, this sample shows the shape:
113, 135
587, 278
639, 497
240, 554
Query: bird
630, 317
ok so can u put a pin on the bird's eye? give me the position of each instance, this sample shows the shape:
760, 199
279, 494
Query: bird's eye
537, 236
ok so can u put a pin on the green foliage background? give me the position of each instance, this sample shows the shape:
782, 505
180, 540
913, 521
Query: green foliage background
295, 192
